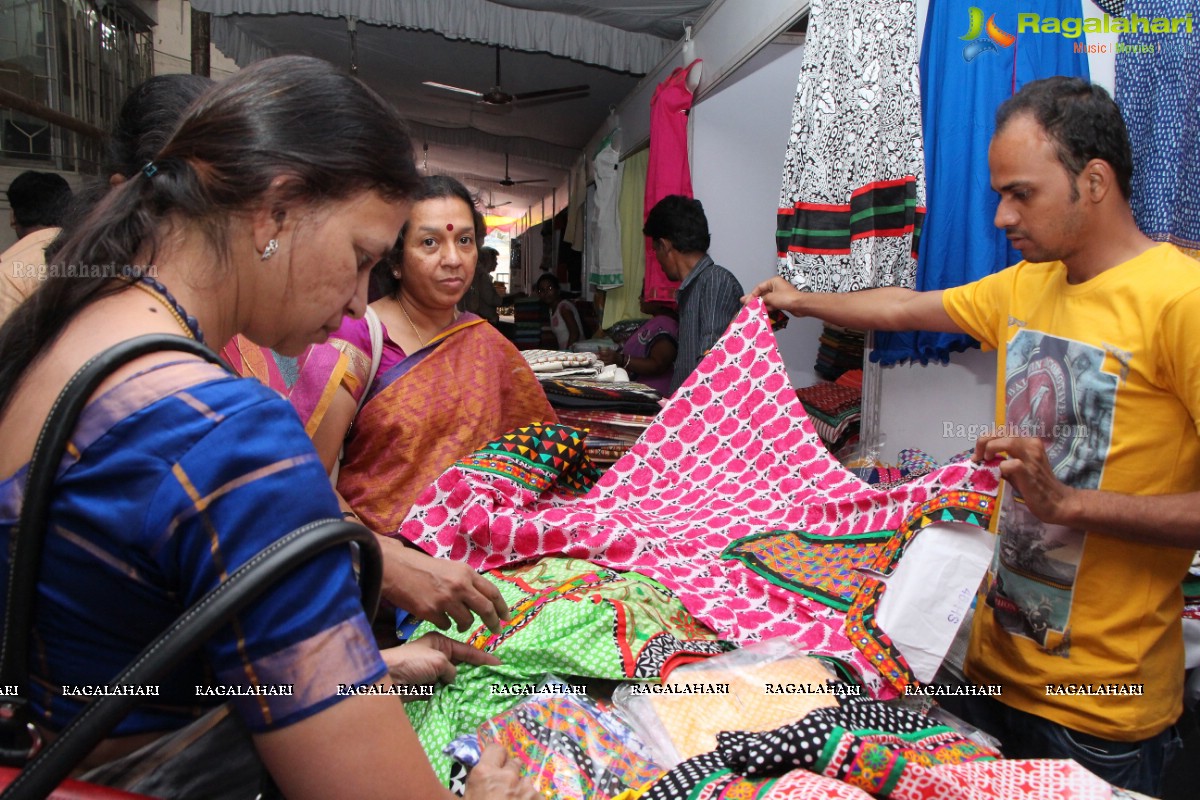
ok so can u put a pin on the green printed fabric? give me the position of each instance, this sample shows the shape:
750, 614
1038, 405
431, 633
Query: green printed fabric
570, 618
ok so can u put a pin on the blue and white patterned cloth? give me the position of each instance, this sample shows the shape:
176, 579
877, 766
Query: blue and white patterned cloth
1159, 95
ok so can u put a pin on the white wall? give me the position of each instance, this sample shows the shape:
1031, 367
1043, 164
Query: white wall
739, 134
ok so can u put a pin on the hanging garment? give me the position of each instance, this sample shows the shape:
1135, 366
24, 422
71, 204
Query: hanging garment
961, 88
570, 618
853, 194
1158, 91
577, 206
668, 171
623, 303
604, 240
731, 455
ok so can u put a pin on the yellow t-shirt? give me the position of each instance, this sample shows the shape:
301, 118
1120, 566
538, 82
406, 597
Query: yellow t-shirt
1107, 372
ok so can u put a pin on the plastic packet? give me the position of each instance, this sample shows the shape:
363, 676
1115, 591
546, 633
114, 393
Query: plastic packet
756, 688
570, 747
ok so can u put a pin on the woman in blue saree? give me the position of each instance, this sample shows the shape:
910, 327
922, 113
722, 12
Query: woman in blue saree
257, 217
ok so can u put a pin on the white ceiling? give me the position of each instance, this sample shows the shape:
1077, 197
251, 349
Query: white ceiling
544, 44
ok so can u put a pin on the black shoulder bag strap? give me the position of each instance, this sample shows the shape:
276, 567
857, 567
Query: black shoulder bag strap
18, 738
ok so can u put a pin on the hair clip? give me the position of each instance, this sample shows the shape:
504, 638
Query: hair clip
149, 170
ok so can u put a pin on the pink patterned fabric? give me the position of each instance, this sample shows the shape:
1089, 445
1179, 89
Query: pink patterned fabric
732, 454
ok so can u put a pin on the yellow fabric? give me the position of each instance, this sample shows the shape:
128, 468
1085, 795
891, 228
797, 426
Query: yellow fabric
693, 720
1121, 377
622, 302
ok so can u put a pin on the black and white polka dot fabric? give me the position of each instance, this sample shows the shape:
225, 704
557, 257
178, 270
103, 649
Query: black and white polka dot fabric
800, 744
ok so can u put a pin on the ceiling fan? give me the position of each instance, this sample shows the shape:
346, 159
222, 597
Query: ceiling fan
492, 205
507, 181
496, 99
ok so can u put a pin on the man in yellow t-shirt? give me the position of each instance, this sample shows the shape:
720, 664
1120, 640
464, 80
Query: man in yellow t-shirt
1098, 405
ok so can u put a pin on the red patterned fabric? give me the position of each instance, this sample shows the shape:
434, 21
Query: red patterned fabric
732, 454
1005, 779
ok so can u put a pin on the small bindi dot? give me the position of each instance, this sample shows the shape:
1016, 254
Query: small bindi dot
449, 226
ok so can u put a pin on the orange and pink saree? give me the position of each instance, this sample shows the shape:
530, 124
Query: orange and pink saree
466, 387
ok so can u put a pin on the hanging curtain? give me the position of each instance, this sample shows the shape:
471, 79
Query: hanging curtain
606, 270
853, 191
668, 171
622, 302
962, 85
1159, 95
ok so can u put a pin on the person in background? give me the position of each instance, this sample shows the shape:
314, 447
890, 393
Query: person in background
1098, 426
38, 201
258, 217
648, 355
709, 296
482, 298
564, 317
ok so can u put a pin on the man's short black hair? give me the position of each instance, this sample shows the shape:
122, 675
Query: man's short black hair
681, 220
1081, 120
39, 199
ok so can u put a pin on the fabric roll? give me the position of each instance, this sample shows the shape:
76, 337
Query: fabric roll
853, 193
1158, 90
961, 88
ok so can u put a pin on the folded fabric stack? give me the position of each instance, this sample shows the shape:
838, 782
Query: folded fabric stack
560, 364
631, 398
610, 433
835, 409
841, 350
529, 320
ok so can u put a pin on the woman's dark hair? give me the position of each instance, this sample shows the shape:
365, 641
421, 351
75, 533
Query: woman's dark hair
681, 220
432, 187
1081, 120
296, 118
148, 117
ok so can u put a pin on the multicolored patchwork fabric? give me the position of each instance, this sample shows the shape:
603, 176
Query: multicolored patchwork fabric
824, 568
570, 749
829, 570
732, 454
863, 742
538, 457
570, 618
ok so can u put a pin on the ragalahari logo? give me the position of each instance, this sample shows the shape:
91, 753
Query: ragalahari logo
979, 43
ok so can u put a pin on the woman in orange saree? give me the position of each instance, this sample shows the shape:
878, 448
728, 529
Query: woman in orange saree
447, 382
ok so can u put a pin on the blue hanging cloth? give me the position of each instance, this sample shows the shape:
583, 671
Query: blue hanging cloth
973, 58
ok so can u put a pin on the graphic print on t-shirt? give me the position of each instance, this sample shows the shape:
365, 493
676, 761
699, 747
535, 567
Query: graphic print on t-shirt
1055, 389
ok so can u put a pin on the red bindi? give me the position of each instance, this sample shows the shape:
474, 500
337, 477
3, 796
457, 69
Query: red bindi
449, 226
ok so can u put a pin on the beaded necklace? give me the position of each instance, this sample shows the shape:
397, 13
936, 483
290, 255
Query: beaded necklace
163, 295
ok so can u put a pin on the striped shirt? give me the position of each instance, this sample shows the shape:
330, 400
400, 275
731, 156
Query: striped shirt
709, 298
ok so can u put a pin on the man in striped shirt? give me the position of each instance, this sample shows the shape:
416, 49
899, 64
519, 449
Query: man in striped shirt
709, 296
